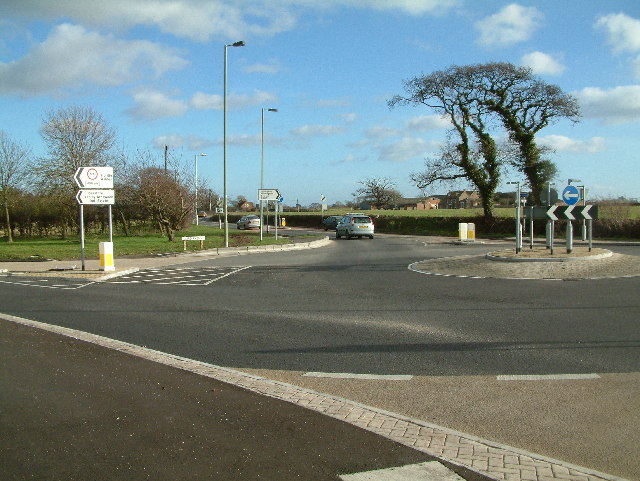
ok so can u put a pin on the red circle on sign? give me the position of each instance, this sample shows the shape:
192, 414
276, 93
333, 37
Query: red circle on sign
92, 174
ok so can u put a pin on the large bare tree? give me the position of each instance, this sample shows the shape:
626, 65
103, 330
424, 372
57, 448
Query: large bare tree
15, 168
75, 137
380, 192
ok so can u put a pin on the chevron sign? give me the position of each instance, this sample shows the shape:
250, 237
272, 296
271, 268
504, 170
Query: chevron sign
569, 212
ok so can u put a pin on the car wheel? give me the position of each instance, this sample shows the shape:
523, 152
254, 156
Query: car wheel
338, 236
347, 235
371, 237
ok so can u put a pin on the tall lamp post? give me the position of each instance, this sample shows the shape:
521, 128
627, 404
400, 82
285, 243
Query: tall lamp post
195, 161
224, 141
262, 168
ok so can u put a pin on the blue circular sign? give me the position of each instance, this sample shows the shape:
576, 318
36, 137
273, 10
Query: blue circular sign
571, 195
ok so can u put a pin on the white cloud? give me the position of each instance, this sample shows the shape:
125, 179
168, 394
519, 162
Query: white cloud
560, 143
619, 105
512, 24
380, 132
350, 117
624, 31
202, 101
73, 57
405, 149
151, 104
174, 141
542, 63
426, 123
317, 131
271, 67
191, 19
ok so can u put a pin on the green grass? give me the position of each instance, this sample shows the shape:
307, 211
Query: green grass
63, 249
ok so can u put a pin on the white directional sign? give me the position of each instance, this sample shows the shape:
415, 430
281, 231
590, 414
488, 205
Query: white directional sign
96, 197
94, 177
268, 194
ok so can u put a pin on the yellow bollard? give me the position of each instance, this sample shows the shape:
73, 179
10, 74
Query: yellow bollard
106, 256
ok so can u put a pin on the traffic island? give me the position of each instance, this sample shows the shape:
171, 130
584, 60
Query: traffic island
542, 254
536, 264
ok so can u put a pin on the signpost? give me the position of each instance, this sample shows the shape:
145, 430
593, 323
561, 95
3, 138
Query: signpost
267, 195
96, 188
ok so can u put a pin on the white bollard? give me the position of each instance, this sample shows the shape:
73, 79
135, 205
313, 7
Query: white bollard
462, 231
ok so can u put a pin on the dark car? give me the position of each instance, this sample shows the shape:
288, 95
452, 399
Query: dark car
331, 222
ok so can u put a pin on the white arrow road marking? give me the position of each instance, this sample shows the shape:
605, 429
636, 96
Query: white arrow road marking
585, 212
568, 214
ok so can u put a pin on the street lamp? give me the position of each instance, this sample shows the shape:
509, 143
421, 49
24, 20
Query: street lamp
262, 167
224, 141
195, 161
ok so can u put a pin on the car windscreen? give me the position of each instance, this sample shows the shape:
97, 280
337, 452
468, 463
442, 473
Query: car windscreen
361, 220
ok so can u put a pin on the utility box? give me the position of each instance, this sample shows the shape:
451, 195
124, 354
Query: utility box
106, 256
462, 231
471, 231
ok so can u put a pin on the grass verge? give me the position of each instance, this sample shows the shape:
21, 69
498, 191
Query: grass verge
149, 244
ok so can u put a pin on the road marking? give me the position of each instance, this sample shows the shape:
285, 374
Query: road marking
347, 375
429, 471
548, 377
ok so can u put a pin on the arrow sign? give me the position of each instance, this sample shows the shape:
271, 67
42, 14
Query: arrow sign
268, 194
94, 177
96, 197
568, 214
585, 212
571, 195
550, 213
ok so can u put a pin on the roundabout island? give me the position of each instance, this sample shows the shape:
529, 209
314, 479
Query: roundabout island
536, 263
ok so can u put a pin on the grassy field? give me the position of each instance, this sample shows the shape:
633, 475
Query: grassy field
61, 249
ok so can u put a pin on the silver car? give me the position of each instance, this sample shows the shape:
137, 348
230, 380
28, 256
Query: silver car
249, 222
355, 225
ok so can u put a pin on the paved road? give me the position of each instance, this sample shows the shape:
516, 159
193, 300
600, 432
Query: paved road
70, 410
354, 307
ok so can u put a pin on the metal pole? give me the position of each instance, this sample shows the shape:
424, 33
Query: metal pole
569, 237
195, 209
224, 151
262, 174
110, 225
82, 235
519, 229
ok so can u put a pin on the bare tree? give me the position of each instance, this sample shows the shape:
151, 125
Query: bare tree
75, 137
161, 194
14, 170
380, 192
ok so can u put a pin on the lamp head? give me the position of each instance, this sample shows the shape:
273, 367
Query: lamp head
238, 44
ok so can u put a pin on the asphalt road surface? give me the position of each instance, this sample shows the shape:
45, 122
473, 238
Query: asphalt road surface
355, 307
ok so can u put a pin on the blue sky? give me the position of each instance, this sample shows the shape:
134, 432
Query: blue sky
154, 70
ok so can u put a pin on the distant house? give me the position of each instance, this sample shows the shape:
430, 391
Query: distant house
416, 203
247, 206
462, 199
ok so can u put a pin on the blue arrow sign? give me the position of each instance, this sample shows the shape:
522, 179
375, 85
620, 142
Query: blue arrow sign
571, 195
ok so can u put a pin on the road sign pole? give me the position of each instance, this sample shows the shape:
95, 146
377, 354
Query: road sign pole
531, 229
569, 237
82, 235
110, 225
552, 233
590, 231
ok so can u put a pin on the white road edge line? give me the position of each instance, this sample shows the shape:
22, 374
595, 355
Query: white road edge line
347, 375
226, 275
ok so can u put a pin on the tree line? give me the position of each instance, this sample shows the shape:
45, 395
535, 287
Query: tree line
39, 194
